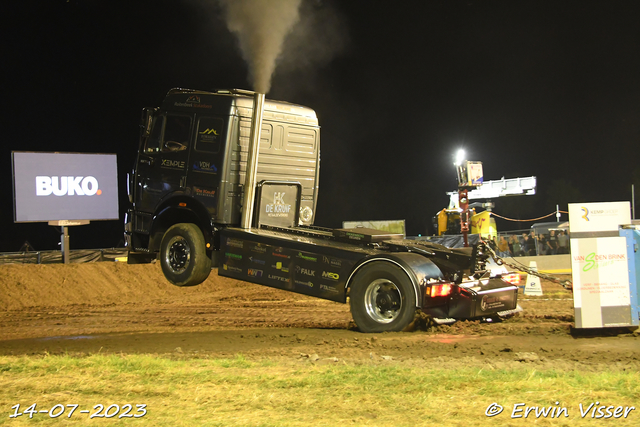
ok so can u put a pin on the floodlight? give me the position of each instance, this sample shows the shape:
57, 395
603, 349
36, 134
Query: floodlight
460, 157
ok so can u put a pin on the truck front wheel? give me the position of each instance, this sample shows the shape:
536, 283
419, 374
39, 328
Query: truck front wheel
382, 298
183, 255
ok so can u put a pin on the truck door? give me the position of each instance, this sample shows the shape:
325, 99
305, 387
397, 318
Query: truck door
205, 164
162, 162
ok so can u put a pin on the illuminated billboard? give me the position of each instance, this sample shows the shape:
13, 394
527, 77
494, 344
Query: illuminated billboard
64, 186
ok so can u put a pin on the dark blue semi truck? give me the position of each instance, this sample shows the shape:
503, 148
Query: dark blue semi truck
227, 180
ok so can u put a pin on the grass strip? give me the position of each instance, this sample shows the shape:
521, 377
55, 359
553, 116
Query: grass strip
240, 392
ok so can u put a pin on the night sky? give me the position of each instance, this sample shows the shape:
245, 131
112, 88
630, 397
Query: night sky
544, 88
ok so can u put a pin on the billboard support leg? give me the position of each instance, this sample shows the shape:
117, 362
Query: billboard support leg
64, 244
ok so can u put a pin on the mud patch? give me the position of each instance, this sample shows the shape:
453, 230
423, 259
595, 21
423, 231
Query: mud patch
120, 308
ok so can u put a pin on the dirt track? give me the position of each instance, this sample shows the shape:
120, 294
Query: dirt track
112, 307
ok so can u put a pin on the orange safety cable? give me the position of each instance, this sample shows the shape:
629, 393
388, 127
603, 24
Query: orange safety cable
523, 220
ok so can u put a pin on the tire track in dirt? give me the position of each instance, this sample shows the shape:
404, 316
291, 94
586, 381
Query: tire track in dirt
98, 298
132, 308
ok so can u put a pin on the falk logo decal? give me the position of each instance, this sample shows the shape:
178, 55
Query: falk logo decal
305, 271
209, 131
193, 99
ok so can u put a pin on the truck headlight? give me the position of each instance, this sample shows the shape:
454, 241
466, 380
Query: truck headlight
306, 214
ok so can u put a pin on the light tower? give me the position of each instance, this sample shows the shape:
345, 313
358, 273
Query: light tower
469, 177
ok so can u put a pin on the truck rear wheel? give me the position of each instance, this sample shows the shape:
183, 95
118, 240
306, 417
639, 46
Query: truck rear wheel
382, 298
183, 255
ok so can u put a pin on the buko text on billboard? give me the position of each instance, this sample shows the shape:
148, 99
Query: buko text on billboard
64, 186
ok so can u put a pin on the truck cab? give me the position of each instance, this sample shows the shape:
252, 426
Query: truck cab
192, 160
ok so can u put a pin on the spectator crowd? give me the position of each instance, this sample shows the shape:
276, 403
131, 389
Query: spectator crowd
532, 244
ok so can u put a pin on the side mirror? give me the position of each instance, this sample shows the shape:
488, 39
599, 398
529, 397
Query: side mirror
146, 120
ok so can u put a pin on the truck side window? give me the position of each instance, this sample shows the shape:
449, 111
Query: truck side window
155, 138
209, 134
176, 133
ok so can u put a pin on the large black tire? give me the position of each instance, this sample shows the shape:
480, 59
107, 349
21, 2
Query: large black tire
382, 298
183, 255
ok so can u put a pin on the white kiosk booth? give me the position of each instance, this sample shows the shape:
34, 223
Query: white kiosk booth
604, 255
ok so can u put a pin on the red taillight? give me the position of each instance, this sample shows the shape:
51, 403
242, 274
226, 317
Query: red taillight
513, 278
441, 290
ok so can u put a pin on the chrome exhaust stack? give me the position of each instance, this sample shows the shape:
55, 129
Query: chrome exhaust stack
248, 200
